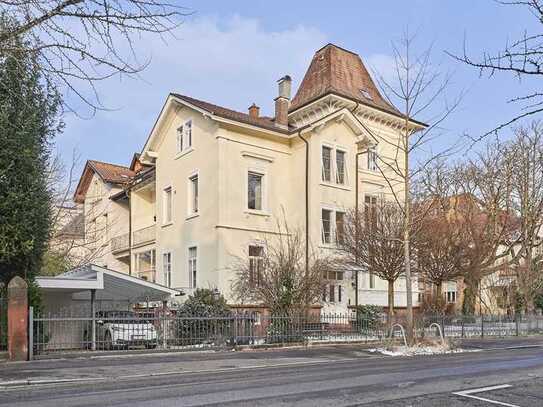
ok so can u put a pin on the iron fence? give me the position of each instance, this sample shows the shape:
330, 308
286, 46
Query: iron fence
168, 330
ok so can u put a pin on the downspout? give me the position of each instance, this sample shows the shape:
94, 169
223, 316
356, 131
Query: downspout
306, 202
357, 156
129, 232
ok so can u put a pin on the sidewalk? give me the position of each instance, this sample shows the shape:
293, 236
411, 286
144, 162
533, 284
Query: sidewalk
126, 366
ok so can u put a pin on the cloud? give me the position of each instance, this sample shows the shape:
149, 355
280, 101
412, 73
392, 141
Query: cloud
233, 62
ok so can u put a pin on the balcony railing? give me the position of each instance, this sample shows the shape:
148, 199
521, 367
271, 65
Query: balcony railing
144, 235
119, 243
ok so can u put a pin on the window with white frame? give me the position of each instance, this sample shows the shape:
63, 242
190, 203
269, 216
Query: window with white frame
372, 163
451, 292
184, 137
326, 226
326, 164
167, 268
255, 183
256, 262
334, 165
193, 194
193, 266
341, 169
371, 201
167, 209
371, 276
332, 226
188, 134
340, 227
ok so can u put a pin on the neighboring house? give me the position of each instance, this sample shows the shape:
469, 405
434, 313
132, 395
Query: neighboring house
104, 217
211, 183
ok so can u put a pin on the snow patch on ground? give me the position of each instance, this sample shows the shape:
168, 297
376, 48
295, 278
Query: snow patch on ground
418, 350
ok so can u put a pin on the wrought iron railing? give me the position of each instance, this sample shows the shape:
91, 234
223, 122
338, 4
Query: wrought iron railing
175, 330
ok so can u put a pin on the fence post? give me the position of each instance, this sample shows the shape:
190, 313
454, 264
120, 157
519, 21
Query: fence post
93, 320
482, 326
30, 333
17, 319
517, 324
462, 322
164, 324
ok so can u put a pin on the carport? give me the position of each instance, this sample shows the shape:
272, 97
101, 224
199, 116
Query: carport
92, 284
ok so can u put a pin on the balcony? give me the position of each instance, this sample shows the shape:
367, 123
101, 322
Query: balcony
144, 236
120, 243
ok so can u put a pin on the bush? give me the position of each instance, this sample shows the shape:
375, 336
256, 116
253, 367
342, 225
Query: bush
204, 318
368, 317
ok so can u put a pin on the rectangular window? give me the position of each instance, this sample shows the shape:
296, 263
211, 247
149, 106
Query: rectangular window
167, 269
332, 293
372, 160
326, 226
372, 279
326, 164
371, 201
451, 297
145, 265
256, 262
188, 134
193, 267
254, 191
340, 227
167, 215
339, 293
340, 167
179, 139
193, 194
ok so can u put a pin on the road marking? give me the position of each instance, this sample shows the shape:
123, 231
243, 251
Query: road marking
470, 394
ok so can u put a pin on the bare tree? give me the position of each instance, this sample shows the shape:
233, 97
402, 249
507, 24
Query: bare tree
419, 90
73, 241
372, 240
521, 58
475, 196
277, 277
440, 246
80, 42
525, 152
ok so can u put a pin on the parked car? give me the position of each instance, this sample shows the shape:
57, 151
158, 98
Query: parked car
122, 329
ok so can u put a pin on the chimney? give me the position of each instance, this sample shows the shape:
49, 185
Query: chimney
254, 111
282, 101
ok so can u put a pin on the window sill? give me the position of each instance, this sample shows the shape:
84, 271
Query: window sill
369, 172
257, 212
167, 224
337, 186
183, 153
329, 246
192, 216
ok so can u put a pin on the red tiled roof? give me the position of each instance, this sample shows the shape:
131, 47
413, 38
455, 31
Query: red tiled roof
116, 174
262, 121
336, 70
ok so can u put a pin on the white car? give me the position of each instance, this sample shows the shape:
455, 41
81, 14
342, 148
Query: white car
122, 329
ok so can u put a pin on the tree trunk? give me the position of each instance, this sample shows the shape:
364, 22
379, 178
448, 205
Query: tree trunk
406, 241
390, 302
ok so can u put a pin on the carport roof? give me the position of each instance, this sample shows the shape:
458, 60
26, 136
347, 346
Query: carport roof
109, 285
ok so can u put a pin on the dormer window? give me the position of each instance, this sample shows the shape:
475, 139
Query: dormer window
366, 94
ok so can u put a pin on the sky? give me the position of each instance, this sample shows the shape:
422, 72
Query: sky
231, 53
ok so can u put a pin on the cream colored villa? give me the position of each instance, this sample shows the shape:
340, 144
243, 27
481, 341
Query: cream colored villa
211, 183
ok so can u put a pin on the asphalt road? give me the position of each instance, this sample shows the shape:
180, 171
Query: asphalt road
314, 380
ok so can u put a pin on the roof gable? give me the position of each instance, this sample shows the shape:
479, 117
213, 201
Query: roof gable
109, 173
336, 70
